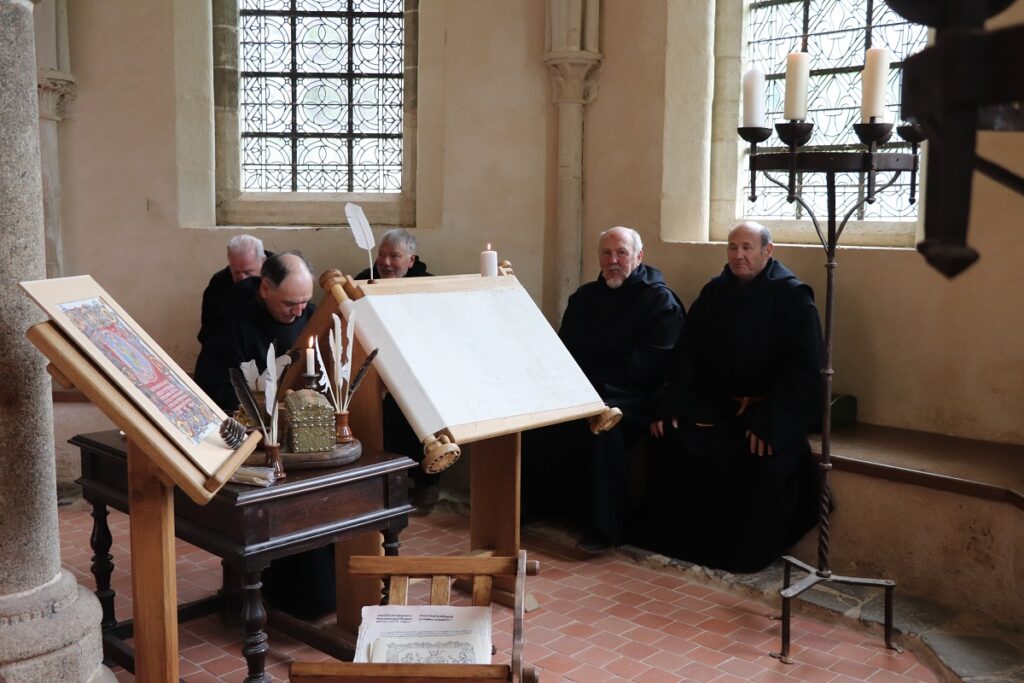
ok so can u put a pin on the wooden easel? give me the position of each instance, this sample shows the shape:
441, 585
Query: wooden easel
495, 470
155, 466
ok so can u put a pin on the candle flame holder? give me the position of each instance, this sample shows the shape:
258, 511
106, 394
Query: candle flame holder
795, 134
754, 135
874, 133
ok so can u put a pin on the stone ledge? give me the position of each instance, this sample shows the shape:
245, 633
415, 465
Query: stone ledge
982, 469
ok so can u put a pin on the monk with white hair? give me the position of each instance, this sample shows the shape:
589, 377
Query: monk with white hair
620, 329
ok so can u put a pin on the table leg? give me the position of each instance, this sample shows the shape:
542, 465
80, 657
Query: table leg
102, 563
254, 619
230, 595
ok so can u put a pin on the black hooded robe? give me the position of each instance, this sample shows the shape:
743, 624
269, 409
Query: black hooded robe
303, 584
622, 339
721, 505
246, 334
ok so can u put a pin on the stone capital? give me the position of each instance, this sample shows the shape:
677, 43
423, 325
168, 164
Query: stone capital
56, 91
574, 75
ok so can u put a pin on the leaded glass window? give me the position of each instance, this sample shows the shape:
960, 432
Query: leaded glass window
321, 95
836, 34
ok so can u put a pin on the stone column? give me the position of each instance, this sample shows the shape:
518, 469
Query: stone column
56, 88
572, 57
49, 625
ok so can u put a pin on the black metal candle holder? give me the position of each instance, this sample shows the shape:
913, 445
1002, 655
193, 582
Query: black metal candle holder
915, 135
795, 134
754, 135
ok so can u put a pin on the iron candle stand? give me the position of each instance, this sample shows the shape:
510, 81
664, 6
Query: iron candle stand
794, 135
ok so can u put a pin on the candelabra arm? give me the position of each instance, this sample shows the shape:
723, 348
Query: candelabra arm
913, 174
791, 189
862, 202
753, 173
872, 152
807, 208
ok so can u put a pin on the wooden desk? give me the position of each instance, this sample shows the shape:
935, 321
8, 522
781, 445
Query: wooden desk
248, 527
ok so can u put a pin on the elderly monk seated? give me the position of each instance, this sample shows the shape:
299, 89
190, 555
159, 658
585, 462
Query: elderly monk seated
245, 259
734, 481
397, 257
621, 330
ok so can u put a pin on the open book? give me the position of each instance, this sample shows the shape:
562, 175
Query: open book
425, 634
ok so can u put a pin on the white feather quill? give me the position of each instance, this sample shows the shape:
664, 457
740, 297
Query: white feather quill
346, 357
270, 389
322, 380
361, 230
251, 374
260, 383
334, 339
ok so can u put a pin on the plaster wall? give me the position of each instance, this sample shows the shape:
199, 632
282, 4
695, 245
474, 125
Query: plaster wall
484, 155
917, 350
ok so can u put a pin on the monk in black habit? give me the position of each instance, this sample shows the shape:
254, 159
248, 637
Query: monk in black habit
273, 308
621, 329
738, 484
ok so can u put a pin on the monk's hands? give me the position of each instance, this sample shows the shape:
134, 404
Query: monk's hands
658, 428
758, 446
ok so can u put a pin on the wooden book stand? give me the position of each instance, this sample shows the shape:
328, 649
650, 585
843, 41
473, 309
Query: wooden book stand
397, 571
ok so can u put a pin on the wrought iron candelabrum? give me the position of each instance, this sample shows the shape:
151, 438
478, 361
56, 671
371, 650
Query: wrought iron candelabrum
871, 162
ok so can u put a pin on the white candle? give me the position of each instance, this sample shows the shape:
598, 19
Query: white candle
753, 98
798, 70
873, 82
489, 262
310, 367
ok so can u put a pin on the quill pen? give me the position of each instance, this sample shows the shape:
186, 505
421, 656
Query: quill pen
361, 230
359, 376
245, 397
271, 393
322, 380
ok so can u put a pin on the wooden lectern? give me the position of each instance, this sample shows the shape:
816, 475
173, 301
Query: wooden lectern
115, 364
469, 359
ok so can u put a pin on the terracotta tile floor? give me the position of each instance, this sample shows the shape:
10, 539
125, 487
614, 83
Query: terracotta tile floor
603, 619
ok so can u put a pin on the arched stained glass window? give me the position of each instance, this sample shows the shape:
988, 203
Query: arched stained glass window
320, 95
836, 34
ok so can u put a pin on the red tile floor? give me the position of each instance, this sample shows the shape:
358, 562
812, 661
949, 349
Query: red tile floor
601, 619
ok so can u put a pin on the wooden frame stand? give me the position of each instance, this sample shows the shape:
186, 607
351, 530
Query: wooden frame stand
501, 310
155, 466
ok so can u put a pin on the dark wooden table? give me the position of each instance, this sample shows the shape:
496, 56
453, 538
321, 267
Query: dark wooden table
248, 527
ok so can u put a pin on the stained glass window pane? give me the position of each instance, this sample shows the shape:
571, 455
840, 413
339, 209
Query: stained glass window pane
322, 95
836, 34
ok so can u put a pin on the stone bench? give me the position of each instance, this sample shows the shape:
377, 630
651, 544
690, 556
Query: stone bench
942, 516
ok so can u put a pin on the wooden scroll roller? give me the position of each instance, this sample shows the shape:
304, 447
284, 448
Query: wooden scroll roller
602, 422
439, 453
340, 285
